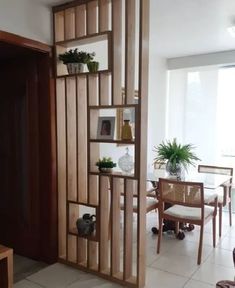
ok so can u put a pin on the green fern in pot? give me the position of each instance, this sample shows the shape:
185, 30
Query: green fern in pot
175, 156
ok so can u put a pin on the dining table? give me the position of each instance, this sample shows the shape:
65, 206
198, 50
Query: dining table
211, 183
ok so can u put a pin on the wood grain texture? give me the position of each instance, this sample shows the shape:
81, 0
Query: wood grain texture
61, 165
70, 23
117, 52
72, 248
104, 15
59, 26
92, 17
82, 138
71, 137
143, 95
80, 20
115, 227
130, 51
104, 201
104, 89
61, 69
93, 89
128, 228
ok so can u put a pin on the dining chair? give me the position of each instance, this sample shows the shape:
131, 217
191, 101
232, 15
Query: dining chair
224, 196
187, 205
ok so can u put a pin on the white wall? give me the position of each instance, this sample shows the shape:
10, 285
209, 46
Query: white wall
156, 103
27, 18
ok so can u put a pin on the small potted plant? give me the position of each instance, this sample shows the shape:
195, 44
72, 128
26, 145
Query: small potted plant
176, 156
75, 61
93, 66
105, 164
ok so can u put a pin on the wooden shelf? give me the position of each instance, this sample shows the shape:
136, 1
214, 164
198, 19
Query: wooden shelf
113, 174
126, 142
93, 107
85, 73
96, 37
82, 203
74, 232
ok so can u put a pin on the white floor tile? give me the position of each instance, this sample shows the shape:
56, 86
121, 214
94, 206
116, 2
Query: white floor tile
26, 284
227, 243
211, 274
57, 276
190, 249
161, 279
221, 257
89, 283
197, 284
178, 264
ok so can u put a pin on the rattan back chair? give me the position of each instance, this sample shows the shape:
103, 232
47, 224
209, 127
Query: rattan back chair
187, 205
225, 198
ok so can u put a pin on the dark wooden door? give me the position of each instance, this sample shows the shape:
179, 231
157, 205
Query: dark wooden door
21, 147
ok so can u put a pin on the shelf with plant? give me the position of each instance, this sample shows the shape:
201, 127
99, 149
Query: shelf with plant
176, 156
105, 165
76, 60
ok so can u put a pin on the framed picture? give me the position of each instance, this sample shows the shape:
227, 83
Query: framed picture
106, 126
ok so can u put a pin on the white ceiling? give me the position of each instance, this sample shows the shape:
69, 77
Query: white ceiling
187, 27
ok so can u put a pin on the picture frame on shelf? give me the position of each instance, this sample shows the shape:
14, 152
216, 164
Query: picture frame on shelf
106, 127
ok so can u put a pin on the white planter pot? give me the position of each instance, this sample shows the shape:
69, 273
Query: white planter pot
74, 68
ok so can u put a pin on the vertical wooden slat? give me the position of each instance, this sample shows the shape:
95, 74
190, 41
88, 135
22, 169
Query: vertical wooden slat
60, 67
104, 265
61, 165
93, 89
92, 17
104, 16
81, 251
59, 26
69, 23
130, 51
72, 248
93, 255
115, 227
80, 20
104, 85
128, 227
82, 138
72, 240
71, 138
117, 52
142, 141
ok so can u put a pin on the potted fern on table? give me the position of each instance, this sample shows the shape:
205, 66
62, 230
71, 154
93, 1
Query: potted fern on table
176, 156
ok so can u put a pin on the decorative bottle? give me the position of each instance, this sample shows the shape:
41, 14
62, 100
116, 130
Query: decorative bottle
126, 130
126, 162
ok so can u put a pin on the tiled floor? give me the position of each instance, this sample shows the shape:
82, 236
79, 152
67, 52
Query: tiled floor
176, 265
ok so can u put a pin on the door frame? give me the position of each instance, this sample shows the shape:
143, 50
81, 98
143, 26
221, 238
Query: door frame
48, 196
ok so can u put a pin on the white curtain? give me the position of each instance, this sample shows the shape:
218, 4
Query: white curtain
200, 110
192, 110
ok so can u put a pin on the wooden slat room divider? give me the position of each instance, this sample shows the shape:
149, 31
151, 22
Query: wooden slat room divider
116, 250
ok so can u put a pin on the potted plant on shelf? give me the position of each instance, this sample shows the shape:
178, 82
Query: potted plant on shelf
176, 156
93, 66
106, 164
75, 61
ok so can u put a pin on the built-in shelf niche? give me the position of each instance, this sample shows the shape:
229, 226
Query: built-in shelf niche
100, 43
118, 115
113, 151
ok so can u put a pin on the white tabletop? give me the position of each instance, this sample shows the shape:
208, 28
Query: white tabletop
210, 181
